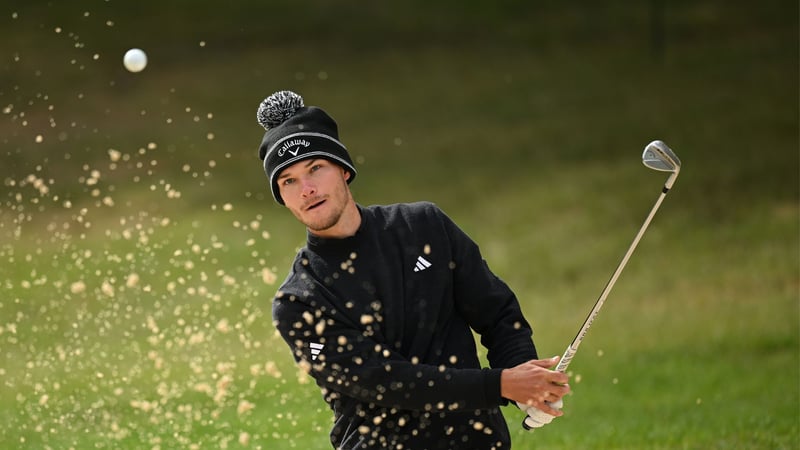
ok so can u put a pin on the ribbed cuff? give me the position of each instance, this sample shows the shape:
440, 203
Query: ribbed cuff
491, 387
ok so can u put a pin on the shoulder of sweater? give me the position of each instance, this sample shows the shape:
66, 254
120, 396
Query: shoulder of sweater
403, 211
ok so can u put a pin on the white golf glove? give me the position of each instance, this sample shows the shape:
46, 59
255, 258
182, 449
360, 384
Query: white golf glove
536, 417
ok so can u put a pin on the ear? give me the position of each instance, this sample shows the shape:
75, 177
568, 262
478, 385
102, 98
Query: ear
347, 174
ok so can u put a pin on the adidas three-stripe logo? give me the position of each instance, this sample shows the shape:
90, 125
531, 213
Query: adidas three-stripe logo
422, 264
315, 350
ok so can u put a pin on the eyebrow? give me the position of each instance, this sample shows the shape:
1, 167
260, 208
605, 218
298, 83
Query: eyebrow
309, 163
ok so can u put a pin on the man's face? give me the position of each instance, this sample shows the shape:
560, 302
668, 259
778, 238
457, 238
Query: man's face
316, 192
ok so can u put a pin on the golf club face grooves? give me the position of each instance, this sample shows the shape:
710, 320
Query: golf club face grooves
658, 156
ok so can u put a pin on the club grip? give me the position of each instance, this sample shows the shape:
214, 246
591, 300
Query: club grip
566, 358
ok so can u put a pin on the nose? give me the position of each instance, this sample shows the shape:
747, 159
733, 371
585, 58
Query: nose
309, 188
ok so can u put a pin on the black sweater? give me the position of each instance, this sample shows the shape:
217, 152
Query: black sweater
383, 322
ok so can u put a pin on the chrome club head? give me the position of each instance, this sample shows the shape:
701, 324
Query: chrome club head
658, 156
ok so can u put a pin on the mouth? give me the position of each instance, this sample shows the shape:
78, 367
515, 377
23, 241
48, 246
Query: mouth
315, 205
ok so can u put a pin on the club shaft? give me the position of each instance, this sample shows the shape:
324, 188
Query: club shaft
566, 358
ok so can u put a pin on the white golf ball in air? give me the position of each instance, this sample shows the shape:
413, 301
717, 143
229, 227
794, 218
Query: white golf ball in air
135, 60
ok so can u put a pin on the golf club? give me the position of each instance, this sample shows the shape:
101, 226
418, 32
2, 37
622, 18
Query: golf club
657, 156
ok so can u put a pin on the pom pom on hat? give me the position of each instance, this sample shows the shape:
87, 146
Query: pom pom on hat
277, 108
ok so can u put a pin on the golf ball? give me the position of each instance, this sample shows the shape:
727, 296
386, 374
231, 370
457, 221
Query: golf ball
135, 60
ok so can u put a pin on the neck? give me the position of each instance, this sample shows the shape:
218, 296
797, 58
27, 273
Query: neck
346, 226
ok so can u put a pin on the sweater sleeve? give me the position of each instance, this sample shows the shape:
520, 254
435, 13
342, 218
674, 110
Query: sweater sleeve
343, 359
490, 307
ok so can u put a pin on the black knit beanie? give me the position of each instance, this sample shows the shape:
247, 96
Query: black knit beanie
294, 133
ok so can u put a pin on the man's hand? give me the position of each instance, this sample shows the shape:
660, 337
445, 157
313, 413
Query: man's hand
536, 418
536, 389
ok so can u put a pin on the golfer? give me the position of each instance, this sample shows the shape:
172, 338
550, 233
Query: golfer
380, 306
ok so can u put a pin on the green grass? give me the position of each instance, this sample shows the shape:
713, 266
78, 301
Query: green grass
525, 127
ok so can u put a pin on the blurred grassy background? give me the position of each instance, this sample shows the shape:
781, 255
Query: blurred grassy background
140, 246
